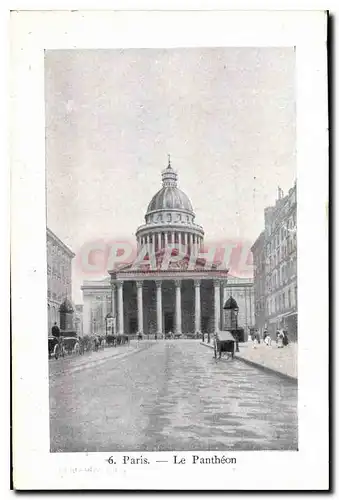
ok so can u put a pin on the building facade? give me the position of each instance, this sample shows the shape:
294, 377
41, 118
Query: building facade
59, 276
153, 298
279, 249
259, 261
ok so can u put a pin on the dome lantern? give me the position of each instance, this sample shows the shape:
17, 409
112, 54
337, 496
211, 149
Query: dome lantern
169, 176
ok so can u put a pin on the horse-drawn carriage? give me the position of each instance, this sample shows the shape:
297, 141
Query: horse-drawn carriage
71, 345
59, 346
55, 347
224, 345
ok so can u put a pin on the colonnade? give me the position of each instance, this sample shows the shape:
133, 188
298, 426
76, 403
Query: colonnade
117, 288
156, 241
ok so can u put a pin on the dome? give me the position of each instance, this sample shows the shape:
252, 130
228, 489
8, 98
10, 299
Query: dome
231, 304
66, 306
170, 197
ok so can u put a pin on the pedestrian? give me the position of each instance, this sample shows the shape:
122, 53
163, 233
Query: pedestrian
285, 338
55, 331
96, 343
267, 338
281, 336
81, 345
277, 337
250, 338
258, 336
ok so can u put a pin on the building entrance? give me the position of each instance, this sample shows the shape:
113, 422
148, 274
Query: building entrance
169, 322
133, 325
205, 324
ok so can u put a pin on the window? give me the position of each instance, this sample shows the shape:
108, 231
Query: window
289, 298
283, 301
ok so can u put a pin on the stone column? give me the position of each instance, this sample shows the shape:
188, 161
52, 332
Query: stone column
173, 237
121, 306
113, 306
158, 284
186, 242
177, 306
159, 241
190, 242
222, 301
197, 323
152, 245
216, 304
140, 307
166, 240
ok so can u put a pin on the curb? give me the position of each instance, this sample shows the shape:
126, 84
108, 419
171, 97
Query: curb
261, 367
206, 345
93, 363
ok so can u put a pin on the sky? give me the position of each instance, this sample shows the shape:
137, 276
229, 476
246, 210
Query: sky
226, 115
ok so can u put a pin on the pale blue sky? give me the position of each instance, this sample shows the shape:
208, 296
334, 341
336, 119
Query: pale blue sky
226, 115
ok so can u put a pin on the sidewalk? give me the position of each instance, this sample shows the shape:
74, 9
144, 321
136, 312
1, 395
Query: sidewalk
282, 361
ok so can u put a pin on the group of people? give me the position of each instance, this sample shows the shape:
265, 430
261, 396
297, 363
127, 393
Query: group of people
281, 338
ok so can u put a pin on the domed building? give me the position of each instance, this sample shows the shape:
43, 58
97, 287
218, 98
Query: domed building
172, 288
170, 218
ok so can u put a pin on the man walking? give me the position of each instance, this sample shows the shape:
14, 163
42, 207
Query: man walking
55, 331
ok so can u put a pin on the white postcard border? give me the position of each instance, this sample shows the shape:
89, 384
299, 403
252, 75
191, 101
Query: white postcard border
31, 33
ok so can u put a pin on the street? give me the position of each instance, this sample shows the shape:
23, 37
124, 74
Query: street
168, 395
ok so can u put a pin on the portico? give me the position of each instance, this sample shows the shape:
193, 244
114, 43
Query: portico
156, 304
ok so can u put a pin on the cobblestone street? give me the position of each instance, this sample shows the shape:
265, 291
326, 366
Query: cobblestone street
168, 395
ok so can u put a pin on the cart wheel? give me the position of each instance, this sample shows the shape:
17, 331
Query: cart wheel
56, 352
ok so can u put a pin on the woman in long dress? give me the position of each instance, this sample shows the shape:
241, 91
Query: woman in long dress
280, 340
267, 338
